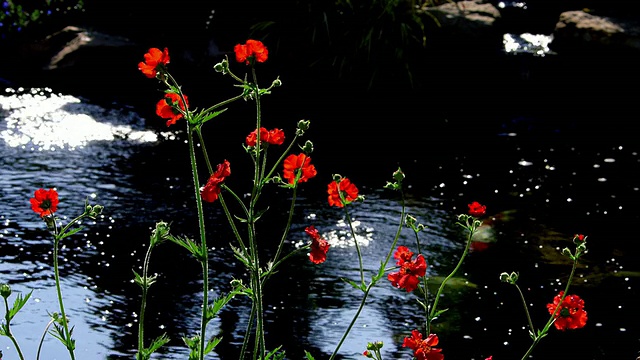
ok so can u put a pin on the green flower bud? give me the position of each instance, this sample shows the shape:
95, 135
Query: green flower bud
398, 175
276, 83
5, 290
336, 177
304, 125
567, 252
308, 147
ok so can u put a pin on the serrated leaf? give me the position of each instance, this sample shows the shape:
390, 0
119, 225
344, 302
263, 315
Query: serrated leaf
18, 303
213, 342
354, 284
70, 232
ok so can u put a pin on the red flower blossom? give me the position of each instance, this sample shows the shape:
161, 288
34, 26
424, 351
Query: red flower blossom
579, 238
423, 349
212, 189
410, 270
253, 49
300, 162
319, 246
570, 314
166, 108
348, 190
489, 358
273, 137
476, 209
44, 202
153, 60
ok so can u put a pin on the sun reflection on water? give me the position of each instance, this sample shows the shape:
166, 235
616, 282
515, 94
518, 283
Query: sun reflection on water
41, 120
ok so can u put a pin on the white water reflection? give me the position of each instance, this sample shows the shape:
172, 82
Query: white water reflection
46, 121
536, 44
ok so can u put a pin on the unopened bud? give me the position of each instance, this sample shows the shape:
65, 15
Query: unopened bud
5, 290
308, 147
276, 83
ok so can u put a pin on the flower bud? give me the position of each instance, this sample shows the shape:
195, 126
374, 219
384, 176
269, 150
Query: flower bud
304, 125
222, 67
336, 177
398, 175
308, 147
5, 290
276, 83
509, 278
567, 252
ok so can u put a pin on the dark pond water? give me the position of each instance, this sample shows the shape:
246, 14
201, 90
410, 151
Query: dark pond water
543, 180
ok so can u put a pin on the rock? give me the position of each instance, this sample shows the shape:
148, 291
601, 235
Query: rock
78, 61
466, 18
579, 30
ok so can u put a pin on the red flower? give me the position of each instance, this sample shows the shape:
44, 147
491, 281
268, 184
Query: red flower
579, 238
167, 107
273, 137
410, 270
348, 190
319, 246
44, 202
212, 189
476, 209
253, 49
153, 60
570, 314
300, 162
423, 349
489, 358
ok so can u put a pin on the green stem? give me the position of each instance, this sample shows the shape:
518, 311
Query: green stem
8, 330
42, 339
537, 338
288, 225
143, 302
355, 240
353, 321
444, 282
203, 243
526, 310
68, 342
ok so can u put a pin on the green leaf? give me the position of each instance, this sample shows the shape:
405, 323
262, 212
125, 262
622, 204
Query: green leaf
190, 245
18, 303
308, 355
354, 284
157, 343
273, 352
211, 344
209, 116
69, 233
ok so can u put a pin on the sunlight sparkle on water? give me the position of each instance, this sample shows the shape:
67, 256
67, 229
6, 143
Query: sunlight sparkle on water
48, 121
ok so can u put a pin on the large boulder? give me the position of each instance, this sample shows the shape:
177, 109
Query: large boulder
579, 31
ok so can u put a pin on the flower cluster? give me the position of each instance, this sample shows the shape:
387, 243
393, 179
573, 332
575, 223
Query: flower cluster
410, 269
423, 349
570, 313
319, 246
212, 189
273, 137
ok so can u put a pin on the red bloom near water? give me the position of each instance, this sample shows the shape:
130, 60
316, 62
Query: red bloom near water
153, 60
295, 163
166, 108
319, 246
273, 137
212, 189
253, 49
410, 270
476, 209
348, 190
44, 202
423, 349
571, 313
